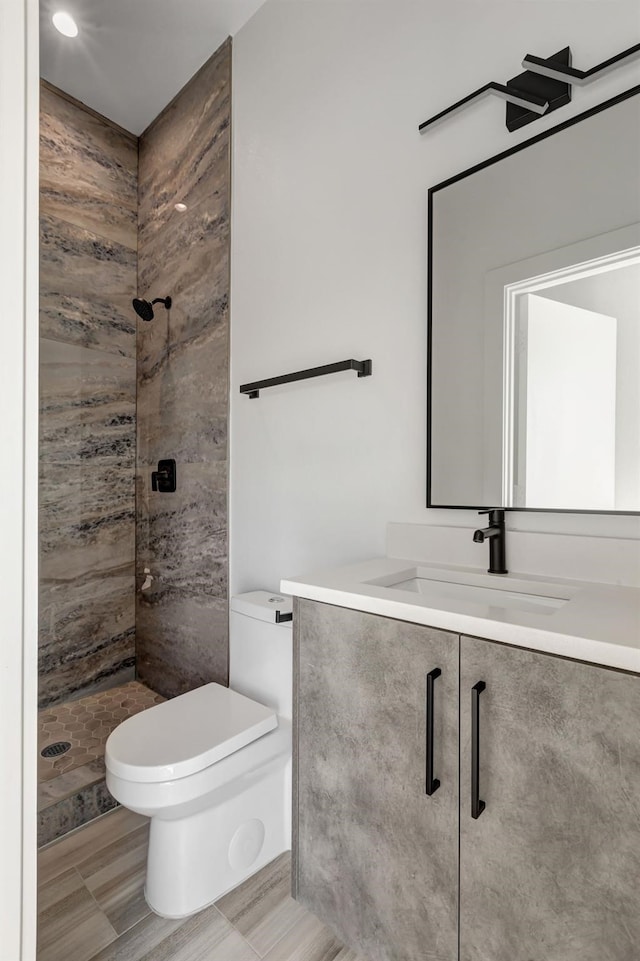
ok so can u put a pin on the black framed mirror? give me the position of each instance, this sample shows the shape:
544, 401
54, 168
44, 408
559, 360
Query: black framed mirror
534, 322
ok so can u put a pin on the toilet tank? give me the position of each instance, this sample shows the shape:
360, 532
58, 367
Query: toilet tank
261, 648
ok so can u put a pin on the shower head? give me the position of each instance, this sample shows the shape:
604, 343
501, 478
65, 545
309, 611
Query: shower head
144, 308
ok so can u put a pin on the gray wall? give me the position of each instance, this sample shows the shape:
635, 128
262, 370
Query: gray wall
183, 362
87, 447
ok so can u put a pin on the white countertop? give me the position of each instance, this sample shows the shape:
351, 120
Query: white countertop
598, 623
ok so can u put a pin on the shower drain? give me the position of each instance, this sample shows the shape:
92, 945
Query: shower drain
55, 750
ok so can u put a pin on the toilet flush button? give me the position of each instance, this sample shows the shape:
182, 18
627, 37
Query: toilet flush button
246, 844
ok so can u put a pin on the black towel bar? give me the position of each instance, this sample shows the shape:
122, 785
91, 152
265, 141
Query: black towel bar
363, 368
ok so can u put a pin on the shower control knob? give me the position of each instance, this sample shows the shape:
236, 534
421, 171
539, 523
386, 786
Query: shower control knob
163, 479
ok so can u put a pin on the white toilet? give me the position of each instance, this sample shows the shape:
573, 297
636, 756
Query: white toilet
212, 768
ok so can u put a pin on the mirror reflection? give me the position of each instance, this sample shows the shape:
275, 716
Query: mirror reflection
573, 360
535, 323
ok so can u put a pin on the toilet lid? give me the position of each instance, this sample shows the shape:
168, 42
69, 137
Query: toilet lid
186, 734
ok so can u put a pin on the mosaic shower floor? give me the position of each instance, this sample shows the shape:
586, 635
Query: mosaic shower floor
71, 787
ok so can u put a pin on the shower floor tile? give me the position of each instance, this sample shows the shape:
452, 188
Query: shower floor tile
85, 724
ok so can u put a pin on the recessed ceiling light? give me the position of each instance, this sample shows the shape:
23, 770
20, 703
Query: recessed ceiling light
180, 208
65, 24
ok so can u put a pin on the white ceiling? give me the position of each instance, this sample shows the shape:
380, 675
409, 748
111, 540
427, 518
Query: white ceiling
131, 57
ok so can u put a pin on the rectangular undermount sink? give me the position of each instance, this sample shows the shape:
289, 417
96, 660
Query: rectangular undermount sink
488, 590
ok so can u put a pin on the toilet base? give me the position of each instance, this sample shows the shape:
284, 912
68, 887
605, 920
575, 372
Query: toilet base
193, 861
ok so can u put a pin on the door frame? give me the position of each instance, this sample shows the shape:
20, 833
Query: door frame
19, 110
513, 295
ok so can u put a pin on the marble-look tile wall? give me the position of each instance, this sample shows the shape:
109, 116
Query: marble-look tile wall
183, 372
88, 204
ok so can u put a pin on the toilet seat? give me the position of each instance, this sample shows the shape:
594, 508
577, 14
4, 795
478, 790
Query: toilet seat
186, 734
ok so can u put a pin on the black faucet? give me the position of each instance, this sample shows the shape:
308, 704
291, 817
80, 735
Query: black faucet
495, 534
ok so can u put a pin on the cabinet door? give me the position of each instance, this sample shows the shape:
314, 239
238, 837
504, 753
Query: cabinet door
550, 871
376, 857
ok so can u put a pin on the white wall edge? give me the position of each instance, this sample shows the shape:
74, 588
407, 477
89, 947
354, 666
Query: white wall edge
19, 99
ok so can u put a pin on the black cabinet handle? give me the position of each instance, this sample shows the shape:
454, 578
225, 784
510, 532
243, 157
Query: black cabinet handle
432, 783
477, 806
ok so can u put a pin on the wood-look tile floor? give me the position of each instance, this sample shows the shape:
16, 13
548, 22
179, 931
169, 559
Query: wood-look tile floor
92, 908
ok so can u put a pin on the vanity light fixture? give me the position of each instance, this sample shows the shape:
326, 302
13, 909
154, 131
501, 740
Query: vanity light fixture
559, 71
65, 24
528, 96
543, 87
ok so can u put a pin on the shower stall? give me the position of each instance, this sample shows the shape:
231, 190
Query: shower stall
133, 575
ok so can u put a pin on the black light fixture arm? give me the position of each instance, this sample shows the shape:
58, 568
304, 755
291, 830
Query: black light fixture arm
362, 367
559, 71
511, 94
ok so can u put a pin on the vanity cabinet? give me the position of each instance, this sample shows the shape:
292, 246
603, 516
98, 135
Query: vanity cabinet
548, 871
374, 856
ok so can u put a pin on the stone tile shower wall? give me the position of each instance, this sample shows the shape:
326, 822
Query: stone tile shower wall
88, 202
183, 364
